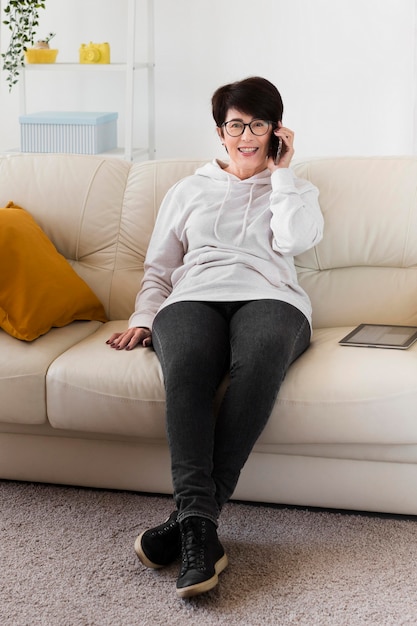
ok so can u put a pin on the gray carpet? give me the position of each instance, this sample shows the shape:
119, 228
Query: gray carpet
66, 559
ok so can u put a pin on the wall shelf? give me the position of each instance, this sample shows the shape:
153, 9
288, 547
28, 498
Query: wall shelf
80, 67
129, 69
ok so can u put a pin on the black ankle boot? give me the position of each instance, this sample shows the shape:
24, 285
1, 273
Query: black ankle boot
203, 557
161, 545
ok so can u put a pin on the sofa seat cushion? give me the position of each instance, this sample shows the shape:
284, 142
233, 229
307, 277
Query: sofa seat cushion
331, 395
23, 368
95, 388
343, 394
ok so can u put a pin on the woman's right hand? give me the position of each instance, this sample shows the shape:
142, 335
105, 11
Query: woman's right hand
130, 338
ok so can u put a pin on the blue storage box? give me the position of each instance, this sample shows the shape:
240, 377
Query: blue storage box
68, 131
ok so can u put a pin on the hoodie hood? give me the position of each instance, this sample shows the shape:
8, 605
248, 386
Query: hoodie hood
214, 171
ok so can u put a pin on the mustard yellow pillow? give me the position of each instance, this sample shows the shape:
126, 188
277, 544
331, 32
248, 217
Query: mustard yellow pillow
38, 287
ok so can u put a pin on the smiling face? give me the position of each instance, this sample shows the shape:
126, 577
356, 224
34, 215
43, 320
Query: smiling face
248, 153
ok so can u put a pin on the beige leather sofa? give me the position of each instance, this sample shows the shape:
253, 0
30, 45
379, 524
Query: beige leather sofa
343, 432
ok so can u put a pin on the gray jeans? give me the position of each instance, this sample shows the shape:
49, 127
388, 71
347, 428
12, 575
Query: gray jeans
197, 343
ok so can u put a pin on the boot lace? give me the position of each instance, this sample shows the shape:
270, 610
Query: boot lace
193, 535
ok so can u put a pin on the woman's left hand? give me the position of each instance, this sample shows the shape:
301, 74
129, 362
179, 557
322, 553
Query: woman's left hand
287, 149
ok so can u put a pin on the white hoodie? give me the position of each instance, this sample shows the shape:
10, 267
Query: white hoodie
220, 238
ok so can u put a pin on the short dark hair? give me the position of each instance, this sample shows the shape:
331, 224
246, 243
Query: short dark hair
254, 96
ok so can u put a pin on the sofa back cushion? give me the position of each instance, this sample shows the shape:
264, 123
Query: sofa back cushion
365, 268
147, 184
98, 212
77, 201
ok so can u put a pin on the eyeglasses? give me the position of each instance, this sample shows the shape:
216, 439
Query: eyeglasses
235, 128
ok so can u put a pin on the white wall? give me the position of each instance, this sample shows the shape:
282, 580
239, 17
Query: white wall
345, 68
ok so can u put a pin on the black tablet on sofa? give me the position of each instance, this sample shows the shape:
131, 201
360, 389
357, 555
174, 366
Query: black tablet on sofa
381, 336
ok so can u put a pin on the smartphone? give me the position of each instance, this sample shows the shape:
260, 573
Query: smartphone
275, 148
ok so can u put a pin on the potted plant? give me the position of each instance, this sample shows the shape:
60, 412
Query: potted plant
41, 51
22, 18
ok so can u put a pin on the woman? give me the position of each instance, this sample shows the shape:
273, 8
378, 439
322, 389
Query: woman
220, 294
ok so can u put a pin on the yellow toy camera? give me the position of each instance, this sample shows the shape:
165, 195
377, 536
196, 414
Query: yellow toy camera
95, 53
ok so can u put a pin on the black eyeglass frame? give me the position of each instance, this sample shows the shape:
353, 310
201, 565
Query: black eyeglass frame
258, 119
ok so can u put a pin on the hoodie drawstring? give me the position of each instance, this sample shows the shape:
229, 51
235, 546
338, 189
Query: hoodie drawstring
216, 223
245, 217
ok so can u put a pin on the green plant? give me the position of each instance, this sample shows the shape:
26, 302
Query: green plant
48, 38
22, 18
